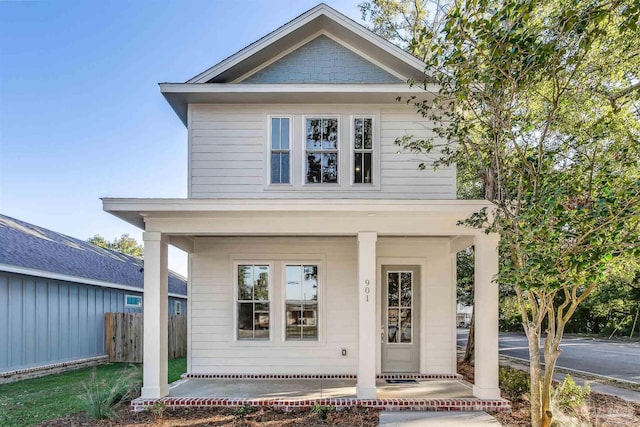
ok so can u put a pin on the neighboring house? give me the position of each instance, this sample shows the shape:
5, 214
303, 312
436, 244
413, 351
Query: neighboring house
315, 247
55, 291
464, 314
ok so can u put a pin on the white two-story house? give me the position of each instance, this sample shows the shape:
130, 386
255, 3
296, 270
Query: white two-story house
315, 247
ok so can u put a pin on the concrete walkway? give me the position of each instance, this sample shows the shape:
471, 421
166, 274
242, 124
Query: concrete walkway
436, 419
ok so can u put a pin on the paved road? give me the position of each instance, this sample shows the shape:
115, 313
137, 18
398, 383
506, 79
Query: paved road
602, 357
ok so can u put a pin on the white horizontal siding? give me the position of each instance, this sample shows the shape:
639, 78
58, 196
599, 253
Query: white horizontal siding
229, 143
213, 348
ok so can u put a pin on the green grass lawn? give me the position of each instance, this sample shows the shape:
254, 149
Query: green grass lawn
30, 402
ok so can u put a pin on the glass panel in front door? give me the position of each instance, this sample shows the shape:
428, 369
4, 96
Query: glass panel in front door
399, 306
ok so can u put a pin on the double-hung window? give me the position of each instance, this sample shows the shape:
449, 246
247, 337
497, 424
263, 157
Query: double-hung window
253, 302
363, 150
322, 148
280, 150
301, 302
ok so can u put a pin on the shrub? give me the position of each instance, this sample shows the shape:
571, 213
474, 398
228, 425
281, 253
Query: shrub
243, 410
568, 395
322, 410
514, 383
100, 397
158, 408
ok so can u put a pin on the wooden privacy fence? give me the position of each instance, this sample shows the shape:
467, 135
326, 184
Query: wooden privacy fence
124, 333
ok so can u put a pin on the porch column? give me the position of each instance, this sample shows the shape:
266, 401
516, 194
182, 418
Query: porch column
367, 336
485, 304
155, 306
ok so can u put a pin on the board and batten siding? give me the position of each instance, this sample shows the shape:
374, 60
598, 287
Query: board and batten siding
213, 345
228, 154
45, 321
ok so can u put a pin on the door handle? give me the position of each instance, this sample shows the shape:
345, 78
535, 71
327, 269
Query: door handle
382, 334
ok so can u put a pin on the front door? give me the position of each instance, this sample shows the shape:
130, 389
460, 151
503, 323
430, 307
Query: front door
400, 318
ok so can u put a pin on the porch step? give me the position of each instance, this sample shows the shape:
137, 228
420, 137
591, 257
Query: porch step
398, 376
395, 404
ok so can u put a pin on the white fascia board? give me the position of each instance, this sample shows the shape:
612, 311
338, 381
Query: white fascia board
143, 206
377, 40
75, 279
256, 46
181, 95
298, 22
219, 88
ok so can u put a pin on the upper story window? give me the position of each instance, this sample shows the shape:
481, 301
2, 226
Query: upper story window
253, 302
362, 150
280, 150
321, 150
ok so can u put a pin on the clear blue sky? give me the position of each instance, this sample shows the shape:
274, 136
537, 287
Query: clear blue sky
81, 115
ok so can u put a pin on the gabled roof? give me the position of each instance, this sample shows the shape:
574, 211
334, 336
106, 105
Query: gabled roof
321, 18
37, 251
228, 82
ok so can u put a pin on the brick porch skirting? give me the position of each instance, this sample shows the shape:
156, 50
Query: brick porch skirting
320, 377
396, 404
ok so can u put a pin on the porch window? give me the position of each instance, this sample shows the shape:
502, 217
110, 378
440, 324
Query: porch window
322, 150
253, 302
362, 150
301, 302
280, 150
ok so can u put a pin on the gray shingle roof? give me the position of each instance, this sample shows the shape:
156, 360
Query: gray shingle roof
29, 246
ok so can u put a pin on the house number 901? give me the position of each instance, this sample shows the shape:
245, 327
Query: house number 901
366, 290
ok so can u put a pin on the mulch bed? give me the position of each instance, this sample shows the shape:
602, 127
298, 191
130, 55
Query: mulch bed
193, 417
601, 410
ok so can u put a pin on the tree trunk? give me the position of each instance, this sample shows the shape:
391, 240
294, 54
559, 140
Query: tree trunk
471, 344
533, 336
550, 358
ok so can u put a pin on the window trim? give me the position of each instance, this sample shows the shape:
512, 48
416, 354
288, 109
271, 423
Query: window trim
126, 301
303, 145
236, 313
399, 307
284, 299
319, 340
375, 150
375, 175
269, 150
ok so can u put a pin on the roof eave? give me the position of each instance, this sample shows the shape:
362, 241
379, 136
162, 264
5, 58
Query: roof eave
181, 95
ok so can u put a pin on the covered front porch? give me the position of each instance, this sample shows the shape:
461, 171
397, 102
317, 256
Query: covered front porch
356, 245
431, 394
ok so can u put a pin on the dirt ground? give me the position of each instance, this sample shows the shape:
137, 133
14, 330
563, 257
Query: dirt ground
601, 410
201, 417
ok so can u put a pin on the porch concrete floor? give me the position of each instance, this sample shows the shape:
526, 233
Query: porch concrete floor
315, 389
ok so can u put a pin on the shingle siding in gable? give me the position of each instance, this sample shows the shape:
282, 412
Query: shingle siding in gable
322, 61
